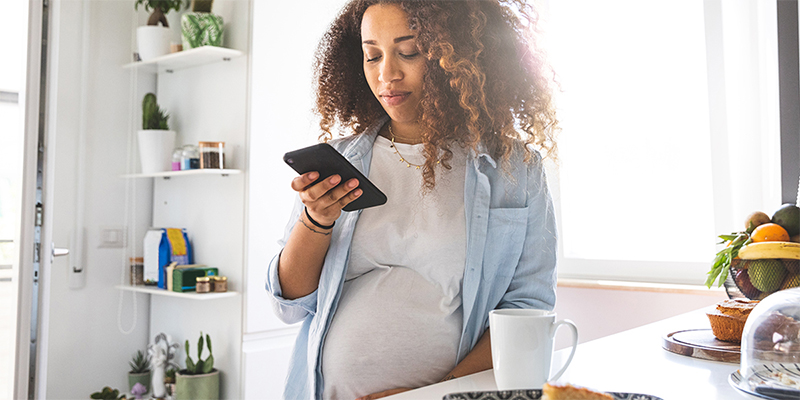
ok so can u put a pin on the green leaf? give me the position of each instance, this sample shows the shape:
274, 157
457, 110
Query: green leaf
198, 368
208, 341
208, 364
199, 347
189, 365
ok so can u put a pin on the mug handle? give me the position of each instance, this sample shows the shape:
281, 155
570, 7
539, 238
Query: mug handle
574, 330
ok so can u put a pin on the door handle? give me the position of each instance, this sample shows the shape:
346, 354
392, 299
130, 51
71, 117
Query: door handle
57, 252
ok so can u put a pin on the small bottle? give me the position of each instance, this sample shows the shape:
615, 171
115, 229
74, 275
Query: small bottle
190, 157
220, 284
203, 284
176, 159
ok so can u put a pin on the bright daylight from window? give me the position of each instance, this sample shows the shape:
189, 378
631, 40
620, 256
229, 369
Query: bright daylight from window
635, 174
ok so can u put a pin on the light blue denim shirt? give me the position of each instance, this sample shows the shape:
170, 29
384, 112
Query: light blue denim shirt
510, 263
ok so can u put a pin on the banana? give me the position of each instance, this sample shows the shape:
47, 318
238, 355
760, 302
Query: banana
765, 250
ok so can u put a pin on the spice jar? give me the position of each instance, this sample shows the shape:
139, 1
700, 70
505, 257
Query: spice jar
137, 271
212, 155
176, 159
203, 284
190, 157
220, 283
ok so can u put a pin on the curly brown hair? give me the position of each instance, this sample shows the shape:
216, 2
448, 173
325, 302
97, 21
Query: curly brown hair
486, 81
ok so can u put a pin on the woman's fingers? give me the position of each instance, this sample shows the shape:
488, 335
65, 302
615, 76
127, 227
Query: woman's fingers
327, 197
301, 182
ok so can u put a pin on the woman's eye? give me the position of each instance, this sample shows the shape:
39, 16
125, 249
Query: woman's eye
412, 55
373, 59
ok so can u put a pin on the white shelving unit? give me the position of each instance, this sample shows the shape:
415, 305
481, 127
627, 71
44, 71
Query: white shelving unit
184, 295
204, 90
185, 59
170, 174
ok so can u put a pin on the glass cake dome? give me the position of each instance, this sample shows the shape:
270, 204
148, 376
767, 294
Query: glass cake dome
770, 358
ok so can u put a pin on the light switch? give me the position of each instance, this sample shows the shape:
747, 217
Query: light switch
112, 237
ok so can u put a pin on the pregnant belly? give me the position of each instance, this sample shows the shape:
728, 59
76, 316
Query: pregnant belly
392, 329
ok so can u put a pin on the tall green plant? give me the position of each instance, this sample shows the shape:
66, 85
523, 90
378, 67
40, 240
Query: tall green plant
160, 9
202, 366
153, 117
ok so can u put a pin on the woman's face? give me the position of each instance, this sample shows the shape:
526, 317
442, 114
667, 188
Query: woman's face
393, 65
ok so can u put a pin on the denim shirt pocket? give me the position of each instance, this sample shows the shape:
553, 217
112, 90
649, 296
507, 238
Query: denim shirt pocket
505, 236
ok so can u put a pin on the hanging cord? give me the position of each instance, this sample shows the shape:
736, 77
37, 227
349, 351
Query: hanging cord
129, 214
797, 202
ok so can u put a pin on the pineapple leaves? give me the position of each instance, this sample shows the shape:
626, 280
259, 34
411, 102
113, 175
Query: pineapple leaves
724, 258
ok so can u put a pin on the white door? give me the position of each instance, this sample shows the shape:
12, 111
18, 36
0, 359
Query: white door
21, 236
74, 333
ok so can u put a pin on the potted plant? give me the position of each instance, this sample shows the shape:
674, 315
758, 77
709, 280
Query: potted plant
140, 370
152, 39
156, 141
107, 394
198, 380
200, 27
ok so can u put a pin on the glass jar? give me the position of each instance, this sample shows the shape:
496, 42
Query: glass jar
220, 284
203, 284
212, 155
190, 157
137, 271
176, 159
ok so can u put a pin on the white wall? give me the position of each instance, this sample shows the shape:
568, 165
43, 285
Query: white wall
285, 36
601, 312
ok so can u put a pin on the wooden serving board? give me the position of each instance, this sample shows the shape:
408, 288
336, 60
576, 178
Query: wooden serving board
701, 343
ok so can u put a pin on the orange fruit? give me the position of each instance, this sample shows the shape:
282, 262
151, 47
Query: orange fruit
770, 233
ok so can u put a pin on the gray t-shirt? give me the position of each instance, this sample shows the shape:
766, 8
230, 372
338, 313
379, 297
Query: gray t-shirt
399, 319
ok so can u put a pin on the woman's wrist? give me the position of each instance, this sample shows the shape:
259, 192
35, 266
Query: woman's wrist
317, 224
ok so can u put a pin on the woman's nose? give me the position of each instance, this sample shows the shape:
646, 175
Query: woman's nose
389, 71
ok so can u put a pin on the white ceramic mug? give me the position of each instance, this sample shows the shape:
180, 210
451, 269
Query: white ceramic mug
522, 347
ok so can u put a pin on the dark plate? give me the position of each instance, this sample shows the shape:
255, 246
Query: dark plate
533, 394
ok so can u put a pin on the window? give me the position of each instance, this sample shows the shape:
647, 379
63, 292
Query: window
669, 132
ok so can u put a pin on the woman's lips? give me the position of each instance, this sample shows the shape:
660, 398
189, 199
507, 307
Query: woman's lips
394, 98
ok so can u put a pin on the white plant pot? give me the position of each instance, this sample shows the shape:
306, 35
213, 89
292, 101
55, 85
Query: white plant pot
152, 41
155, 150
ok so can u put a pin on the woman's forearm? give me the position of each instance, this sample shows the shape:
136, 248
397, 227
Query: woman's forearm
301, 260
479, 359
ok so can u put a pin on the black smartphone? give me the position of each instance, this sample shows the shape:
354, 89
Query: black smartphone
327, 161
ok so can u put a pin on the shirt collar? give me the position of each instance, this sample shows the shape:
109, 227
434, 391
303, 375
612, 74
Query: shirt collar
362, 144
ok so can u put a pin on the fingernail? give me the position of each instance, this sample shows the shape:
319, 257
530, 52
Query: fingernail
357, 192
313, 176
335, 179
352, 183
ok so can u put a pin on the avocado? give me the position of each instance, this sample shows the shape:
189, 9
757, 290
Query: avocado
788, 217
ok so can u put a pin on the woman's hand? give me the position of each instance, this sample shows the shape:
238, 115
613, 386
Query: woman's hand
383, 394
325, 200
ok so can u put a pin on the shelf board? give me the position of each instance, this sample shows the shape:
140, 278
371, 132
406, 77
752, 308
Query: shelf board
185, 295
185, 59
170, 174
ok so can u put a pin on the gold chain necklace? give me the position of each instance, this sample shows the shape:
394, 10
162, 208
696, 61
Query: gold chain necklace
402, 159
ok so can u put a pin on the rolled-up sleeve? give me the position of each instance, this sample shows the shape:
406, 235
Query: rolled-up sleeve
534, 282
294, 310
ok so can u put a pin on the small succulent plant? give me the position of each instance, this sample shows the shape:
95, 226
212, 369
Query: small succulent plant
139, 363
201, 366
107, 394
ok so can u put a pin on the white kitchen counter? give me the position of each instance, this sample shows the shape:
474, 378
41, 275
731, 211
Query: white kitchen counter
629, 361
